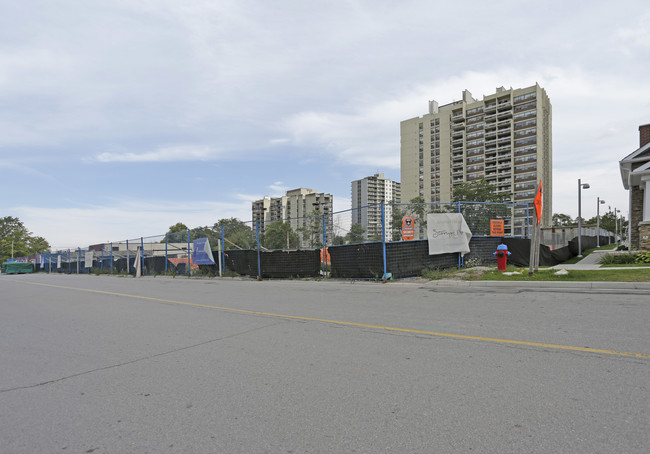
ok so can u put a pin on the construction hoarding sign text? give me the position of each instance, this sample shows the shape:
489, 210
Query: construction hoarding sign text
448, 232
408, 228
497, 227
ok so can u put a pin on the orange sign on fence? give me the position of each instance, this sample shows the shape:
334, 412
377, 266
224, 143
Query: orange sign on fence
497, 227
408, 228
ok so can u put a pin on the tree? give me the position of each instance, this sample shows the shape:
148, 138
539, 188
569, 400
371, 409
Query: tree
275, 236
14, 236
419, 210
608, 221
562, 220
237, 234
355, 235
177, 228
338, 240
37, 245
206, 232
478, 215
312, 232
478, 191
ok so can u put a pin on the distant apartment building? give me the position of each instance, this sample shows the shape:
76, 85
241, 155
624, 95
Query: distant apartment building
367, 195
295, 208
504, 138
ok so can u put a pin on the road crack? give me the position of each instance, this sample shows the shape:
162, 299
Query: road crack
137, 360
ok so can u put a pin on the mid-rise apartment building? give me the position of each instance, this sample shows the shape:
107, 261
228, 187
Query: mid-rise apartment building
295, 208
367, 194
504, 138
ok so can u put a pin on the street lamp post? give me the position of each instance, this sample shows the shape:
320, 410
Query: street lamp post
581, 186
623, 239
598, 221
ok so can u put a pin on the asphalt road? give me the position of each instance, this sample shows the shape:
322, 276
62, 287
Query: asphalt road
161, 365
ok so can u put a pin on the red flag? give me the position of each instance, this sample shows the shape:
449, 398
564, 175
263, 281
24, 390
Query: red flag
538, 202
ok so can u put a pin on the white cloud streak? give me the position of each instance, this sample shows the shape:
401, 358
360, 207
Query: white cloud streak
81, 226
166, 154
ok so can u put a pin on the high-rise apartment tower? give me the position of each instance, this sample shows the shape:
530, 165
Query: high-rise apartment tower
295, 208
504, 138
367, 194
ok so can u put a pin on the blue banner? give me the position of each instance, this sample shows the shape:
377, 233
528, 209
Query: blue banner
201, 253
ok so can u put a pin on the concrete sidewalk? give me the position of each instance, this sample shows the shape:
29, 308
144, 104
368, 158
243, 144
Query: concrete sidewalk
591, 262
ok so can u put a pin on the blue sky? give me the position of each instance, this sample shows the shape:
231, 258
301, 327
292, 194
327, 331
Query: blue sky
121, 118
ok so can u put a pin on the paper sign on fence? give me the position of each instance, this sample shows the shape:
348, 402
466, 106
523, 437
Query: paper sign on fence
447, 232
88, 259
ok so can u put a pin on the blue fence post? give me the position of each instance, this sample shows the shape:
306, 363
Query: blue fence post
527, 221
223, 250
383, 237
101, 266
324, 260
111, 257
142, 255
69, 271
128, 270
188, 254
259, 261
166, 257
460, 263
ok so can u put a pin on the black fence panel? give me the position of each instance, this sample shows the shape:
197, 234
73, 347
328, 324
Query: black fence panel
481, 250
404, 259
357, 261
409, 258
275, 264
242, 261
520, 251
284, 264
155, 265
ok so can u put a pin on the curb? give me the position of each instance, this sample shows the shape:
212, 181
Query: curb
543, 284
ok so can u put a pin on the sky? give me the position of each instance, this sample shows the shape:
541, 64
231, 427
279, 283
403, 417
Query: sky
120, 118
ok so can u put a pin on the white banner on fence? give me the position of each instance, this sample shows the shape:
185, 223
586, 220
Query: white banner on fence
58, 262
447, 232
138, 264
88, 259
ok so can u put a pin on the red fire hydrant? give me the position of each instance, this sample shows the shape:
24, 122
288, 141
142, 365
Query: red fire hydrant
502, 256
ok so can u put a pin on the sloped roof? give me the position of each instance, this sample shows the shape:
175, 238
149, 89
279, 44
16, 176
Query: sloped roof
640, 159
638, 154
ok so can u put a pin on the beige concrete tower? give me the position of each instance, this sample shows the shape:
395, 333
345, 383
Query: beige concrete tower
505, 138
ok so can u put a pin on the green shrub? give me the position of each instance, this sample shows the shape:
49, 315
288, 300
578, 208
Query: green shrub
618, 259
473, 261
436, 273
642, 258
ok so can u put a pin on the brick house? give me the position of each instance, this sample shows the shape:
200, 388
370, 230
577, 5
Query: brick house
635, 173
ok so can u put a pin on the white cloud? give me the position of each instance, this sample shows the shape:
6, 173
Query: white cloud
165, 154
279, 141
250, 198
71, 227
254, 82
278, 189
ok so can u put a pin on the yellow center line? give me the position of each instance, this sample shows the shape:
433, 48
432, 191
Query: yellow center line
359, 325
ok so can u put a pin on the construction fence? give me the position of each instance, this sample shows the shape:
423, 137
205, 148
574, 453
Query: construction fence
380, 241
